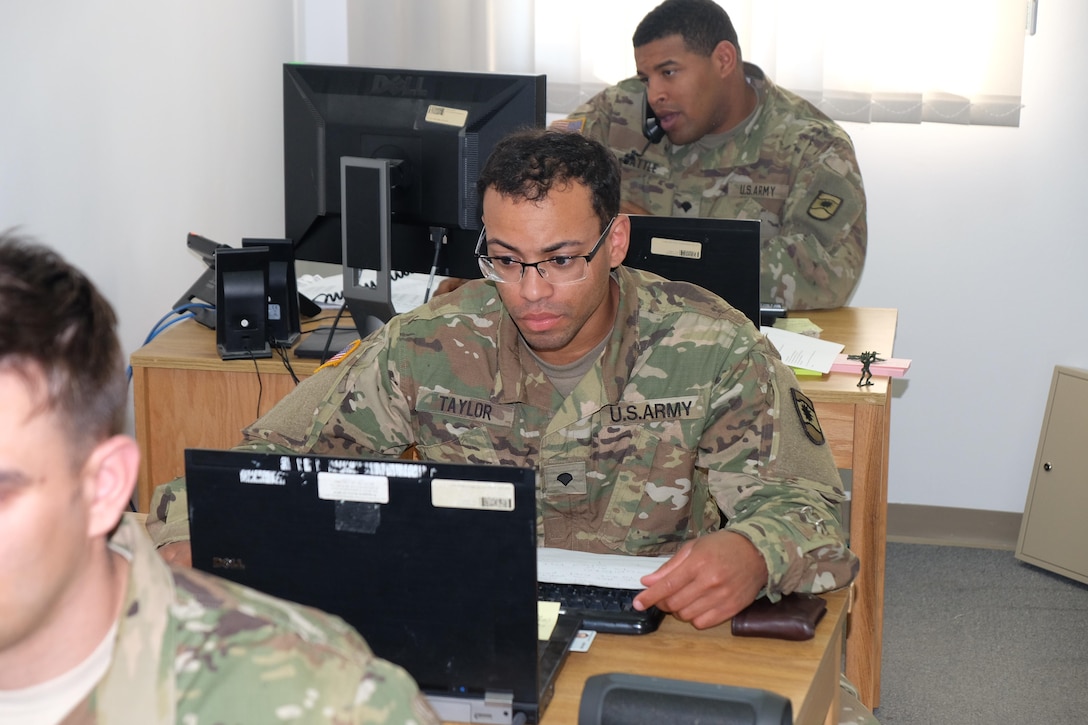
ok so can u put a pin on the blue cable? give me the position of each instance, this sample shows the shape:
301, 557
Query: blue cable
158, 328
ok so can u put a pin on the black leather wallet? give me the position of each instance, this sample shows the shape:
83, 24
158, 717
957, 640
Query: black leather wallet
793, 617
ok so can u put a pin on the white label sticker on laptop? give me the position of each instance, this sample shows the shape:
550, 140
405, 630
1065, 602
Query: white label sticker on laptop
480, 495
676, 248
360, 487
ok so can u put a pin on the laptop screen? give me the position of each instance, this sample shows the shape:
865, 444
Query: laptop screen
434, 564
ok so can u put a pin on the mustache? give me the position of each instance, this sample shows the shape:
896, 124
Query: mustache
537, 309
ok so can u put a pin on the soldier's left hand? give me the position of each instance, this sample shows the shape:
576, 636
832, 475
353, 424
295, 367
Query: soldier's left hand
709, 580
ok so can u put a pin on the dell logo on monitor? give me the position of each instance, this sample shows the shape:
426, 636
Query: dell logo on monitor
406, 86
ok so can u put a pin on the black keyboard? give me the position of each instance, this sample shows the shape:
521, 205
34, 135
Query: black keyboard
602, 609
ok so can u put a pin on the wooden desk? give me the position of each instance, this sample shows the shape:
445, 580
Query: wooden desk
185, 396
856, 422
805, 672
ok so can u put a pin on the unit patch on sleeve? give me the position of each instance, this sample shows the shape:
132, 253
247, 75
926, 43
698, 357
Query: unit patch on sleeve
806, 412
824, 206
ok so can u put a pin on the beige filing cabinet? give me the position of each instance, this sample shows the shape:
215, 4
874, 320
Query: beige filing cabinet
1052, 533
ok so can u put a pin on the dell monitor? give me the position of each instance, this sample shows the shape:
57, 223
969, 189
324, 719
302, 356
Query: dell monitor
415, 140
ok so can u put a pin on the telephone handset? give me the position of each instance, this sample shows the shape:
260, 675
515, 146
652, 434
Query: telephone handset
651, 129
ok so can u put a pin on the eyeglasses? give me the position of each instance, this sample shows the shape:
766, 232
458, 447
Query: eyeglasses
566, 269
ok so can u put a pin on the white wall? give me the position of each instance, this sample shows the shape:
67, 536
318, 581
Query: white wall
126, 124
116, 139
976, 235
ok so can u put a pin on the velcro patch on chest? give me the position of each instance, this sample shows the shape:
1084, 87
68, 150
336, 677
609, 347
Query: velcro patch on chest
452, 405
651, 411
758, 191
564, 478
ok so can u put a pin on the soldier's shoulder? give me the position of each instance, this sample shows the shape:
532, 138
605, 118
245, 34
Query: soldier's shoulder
686, 305
234, 647
794, 115
476, 303
614, 99
212, 605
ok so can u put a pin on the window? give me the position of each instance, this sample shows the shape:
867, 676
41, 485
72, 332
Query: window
906, 61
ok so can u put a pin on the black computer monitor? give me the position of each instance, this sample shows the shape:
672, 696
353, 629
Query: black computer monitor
720, 255
436, 128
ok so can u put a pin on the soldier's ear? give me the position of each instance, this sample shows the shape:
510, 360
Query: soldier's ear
108, 478
619, 238
725, 57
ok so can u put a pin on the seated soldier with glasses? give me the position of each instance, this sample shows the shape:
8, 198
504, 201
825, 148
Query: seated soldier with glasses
563, 269
660, 421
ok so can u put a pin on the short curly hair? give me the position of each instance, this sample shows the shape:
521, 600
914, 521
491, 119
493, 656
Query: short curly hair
528, 164
701, 23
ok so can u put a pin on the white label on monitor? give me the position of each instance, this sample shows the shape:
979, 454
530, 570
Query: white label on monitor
262, 476
360, 487
480, 495
447, 116
676, 248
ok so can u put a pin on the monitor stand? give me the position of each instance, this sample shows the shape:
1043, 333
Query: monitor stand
366, 219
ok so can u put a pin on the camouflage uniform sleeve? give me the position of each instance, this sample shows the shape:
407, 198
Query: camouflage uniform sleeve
591, 119
241, 655
321, 415
816, 259
393, 697
353, 408
168, 520
785, 495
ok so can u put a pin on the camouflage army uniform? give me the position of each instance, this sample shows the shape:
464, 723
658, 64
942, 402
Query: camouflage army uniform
787, 164
688, 411
192, 648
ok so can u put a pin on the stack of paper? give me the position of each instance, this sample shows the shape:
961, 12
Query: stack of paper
801, 351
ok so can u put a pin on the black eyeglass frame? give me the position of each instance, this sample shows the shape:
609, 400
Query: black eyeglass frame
494, 276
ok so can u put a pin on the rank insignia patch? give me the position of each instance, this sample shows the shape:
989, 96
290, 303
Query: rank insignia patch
824, 206
806, 412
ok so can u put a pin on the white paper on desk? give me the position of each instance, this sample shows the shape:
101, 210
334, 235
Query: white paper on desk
406, 293
802, 351
561, 566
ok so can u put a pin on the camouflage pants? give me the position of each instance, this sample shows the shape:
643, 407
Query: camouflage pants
853, 712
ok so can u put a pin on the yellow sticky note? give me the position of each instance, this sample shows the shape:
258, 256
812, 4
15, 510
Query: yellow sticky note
547, 614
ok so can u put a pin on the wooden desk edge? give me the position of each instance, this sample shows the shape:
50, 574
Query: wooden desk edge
819, 703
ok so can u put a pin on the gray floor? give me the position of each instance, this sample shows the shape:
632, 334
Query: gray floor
976, 636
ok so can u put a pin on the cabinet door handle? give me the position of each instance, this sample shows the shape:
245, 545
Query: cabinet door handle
1047, 466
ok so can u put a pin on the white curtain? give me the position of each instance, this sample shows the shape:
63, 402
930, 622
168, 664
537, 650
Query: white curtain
907, 61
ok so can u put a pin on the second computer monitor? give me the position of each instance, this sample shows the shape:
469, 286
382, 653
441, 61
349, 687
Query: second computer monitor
720, 255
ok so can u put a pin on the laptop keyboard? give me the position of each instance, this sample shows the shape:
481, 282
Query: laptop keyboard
602, 609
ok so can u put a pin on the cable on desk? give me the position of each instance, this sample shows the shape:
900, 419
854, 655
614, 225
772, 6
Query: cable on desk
286, 360
328, 297
162, 324
260, 382
158, 327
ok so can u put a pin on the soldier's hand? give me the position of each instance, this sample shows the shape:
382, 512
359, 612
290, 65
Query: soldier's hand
179, 553
709, 580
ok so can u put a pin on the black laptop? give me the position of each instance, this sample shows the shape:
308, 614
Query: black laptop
720, 255
434, 564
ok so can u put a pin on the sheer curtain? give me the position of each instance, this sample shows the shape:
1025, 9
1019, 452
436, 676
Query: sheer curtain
907, 61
